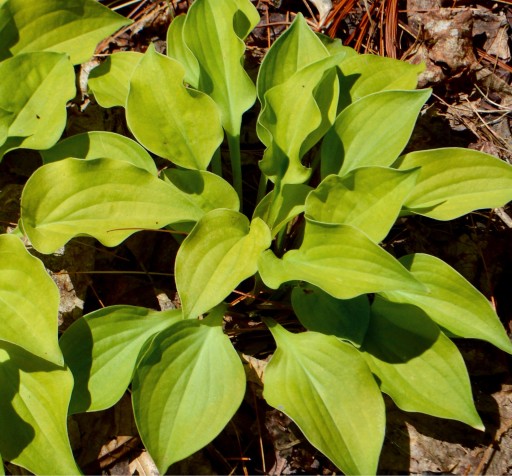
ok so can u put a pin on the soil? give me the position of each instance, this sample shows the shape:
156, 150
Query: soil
466, 48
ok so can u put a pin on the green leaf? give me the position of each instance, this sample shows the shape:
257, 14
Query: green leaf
326, 388
339, 259
34, 90
335, 46
100, 145
186, 389
372, 131
318, 311
292, 119
34, 407
369, 198
417, 365
281, 205
179, 124
101, 350
454, 182
29, 302
110, 81
453, 303
295, 49
73, 28
221, 251
367, 74
208, 191
219, 50
178, 50
103, 198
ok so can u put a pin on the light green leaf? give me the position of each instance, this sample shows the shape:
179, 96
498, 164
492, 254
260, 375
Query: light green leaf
326, 388
186, 389
454, 182
101, 350
417, 365
369, 198
73, 28
335, 46
110, 81
29, 301
296, 48
179, 124
178, 50
292, 120
219, 50
453, 303
207, 190
34, 90
281, 205
6, 118
221, 251
101, 145
318, 311
372, 131
34, 407
103, 198
339, 259
367, 74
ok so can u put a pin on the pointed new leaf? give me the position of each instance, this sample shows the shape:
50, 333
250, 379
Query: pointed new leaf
34, 90
34, 408
339, 259
417, 365
179, 124
369, 198
219, 50
74, 28
178, 50
221, 251
100, 198
29, 301
101, 145
454, 182
344, 318
326, 388
372, 131
367, 74
453, 303
186, 388
110, 81
101, 350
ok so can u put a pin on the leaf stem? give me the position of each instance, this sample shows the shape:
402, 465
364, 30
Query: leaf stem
236, 164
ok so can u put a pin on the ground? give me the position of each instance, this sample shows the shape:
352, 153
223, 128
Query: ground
466, 48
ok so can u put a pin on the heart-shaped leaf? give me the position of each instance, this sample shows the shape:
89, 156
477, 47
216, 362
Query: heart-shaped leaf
326, 388
180, 397
221, 251
339, 259
29, 301
178, 50
417, 365
101, 350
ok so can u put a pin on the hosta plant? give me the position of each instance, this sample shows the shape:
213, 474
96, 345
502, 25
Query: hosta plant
333, 182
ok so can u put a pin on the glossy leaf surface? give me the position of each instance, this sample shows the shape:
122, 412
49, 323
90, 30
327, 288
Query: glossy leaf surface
369, 198
417, 365
29, 301
454, 182
221, 251
101, 145
101, 350
339, 259
186, 389
34, 407
453, 303
326, 388
177, 123
372, 131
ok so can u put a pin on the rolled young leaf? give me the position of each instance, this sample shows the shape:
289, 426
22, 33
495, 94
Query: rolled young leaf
186, 388
326, 388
